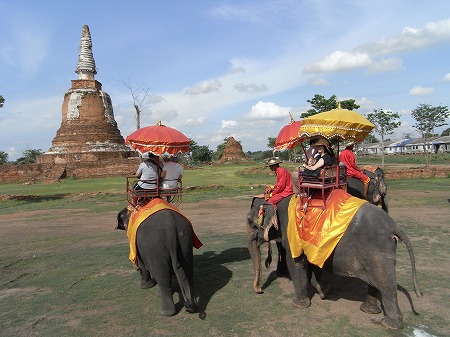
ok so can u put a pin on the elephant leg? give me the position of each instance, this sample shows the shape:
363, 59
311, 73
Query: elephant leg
314, 275
282, 270
371, 305
167, 307
162, 272
299, 275
393, 318
384, 279
147, 280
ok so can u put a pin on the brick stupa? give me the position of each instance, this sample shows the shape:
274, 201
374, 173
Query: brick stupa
233, 152
88, 130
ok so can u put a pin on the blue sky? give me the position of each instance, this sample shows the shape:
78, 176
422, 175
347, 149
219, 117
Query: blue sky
221, 68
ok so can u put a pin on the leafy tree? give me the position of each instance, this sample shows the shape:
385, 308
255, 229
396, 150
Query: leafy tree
271, 142
371, 139
29, 156
427, 119
2, 101
320, 104
220, 148
3, 157
385, 123
200, 153
446, 132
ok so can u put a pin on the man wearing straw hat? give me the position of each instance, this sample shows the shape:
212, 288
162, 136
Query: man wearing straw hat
348, 158
283, 187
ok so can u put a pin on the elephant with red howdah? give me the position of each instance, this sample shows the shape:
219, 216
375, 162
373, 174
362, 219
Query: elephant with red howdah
165, 247
367, 250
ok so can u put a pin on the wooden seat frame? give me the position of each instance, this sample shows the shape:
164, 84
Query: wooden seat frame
141, 197
330, 177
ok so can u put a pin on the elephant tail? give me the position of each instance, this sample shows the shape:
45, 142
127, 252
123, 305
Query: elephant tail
400, 234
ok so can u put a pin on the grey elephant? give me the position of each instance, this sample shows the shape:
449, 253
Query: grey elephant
376, 193
366, 251
164, 243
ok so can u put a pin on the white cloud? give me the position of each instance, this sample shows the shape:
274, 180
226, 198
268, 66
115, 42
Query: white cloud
411, 39
205, 87
446, 78
339, 61
251, 88
196, 121
318, 81
419, 91
228, 124
385, 65
267, 110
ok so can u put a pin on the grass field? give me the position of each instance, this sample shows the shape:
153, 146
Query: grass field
65, 272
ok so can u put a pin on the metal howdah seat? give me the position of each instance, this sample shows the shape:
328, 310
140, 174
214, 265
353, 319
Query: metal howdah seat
140, 197
330, 177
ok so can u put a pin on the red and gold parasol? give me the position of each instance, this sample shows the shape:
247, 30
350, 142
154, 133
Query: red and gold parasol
158, 139
288, 136
336, 123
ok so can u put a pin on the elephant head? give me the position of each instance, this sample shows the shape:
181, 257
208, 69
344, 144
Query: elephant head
122, 219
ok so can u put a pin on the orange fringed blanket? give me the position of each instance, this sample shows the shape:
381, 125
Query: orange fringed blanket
138, 216
317, 232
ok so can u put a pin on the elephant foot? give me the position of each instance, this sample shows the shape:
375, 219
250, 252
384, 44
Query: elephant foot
148, 284
167, 310
392, 324
370, 308
301, 303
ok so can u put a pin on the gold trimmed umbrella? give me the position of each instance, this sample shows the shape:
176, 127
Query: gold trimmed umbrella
158, 139
288, 136
336, 123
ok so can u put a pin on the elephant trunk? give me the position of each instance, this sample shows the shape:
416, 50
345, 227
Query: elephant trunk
255, 253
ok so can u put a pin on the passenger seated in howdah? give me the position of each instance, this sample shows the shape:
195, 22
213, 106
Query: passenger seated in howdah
325, 158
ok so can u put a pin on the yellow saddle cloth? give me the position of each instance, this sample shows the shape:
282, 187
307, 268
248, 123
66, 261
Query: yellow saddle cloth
138, 216
317, 232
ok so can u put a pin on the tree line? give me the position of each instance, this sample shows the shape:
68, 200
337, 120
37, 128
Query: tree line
427, 118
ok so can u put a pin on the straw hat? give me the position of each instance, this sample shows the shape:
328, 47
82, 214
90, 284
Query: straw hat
350, 143
324, 142
273, 161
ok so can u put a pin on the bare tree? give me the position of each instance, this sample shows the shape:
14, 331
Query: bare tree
139, 95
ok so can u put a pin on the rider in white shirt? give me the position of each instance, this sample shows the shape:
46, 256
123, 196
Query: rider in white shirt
171, 173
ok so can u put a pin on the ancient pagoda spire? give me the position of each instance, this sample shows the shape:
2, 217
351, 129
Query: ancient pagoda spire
86, 64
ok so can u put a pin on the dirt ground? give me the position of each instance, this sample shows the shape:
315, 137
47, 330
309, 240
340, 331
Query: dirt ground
231, 215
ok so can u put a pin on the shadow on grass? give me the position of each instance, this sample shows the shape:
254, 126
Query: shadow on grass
211, 274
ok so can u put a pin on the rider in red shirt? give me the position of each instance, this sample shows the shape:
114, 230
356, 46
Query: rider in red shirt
348, 158
283, 187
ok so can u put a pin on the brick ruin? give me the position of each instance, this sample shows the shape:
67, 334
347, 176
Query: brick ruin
88, 130
233, 152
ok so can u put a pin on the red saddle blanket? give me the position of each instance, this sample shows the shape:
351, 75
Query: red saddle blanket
138, 216
317, 231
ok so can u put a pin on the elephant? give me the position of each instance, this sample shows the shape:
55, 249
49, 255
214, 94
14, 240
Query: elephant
165, 247
366, 251
376, 193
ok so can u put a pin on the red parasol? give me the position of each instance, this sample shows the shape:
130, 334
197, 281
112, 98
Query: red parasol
288, 136
158, 139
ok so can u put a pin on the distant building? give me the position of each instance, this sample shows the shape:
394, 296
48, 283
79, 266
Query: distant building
88, 130
407, 146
